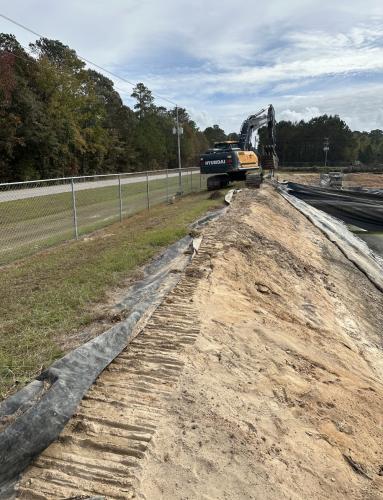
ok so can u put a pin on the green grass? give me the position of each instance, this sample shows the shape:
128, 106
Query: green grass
53, 294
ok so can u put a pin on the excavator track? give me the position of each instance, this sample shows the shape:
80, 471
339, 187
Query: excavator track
101, 449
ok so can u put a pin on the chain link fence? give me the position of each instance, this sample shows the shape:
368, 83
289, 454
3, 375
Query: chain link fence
38, 214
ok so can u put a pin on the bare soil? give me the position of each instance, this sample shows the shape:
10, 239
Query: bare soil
364, 180
281, 395
258, 377
311, 179
367, 180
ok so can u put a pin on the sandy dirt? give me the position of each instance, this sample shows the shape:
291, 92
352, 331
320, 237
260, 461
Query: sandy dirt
311, 179
258, 377
366, 180
281, 395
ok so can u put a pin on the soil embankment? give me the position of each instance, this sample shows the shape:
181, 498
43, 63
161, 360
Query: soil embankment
260, 376
281, 395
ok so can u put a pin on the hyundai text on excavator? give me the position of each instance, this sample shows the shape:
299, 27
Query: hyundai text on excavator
239, 160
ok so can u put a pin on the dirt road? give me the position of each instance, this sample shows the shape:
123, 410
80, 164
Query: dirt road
259, 377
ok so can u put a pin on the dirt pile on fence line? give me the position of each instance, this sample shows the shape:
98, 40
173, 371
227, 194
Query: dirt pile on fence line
281, 395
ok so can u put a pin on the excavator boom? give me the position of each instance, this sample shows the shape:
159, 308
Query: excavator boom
253, 123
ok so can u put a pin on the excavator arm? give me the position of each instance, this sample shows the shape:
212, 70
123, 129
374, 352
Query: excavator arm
253, 123
268, 155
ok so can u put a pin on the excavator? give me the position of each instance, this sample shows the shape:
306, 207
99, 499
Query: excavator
240, 160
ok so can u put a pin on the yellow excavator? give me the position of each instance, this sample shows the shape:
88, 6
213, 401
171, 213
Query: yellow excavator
239, 160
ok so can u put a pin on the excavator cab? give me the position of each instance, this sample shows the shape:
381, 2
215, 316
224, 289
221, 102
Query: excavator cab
227, 145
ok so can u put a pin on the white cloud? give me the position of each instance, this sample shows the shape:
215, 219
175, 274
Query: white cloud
296, 116
222, 60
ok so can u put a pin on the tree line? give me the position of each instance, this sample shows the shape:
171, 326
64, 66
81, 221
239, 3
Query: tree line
303, 142
58, 119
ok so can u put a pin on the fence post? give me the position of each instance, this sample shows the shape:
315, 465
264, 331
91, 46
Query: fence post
147, 189
191, 180
120, 196
200, 181
167, 185
74, 210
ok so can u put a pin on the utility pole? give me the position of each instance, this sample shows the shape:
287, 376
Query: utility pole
326, 148
179, 131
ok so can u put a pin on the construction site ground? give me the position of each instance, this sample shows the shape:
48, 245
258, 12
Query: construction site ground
259, 377
352, 180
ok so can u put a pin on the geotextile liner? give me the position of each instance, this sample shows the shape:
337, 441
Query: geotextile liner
34, 417
360, 207
355, 249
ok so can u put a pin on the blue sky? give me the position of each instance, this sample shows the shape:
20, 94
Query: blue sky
223, 60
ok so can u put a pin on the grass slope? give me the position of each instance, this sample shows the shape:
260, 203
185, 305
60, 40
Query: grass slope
50, 294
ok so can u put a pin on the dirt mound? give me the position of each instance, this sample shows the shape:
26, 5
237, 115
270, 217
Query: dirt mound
259, 376
281, 395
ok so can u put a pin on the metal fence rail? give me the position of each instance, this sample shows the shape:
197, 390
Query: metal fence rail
38, 214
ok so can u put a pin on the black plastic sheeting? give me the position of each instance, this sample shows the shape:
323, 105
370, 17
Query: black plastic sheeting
336, 231
360, 207
33, 417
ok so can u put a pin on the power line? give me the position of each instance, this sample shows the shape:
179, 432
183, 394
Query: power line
86, 60
34, 60
27, 51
